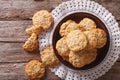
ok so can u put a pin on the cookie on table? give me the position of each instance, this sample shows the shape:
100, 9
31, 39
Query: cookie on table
92, 40
101, 37
76, 40
34, 29
43, 18
87, 24
31, 44
63, 49
68, 26
48, 57
77, 59
91, 56
34, 69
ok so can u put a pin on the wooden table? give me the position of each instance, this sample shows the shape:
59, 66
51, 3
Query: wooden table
15, 17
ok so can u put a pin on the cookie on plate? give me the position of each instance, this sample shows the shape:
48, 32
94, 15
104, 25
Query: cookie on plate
43, 18
91, 56
76, 40
63, 49
31, 44
34, 29
101, 37
92, 40
34, 69
87, 24
77, 59
68, 26
48, 57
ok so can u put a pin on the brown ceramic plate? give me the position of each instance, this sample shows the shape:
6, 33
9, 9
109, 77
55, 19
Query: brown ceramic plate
78, 17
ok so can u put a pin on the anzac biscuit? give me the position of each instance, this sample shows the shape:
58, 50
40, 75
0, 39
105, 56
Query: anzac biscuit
48, 57
91, 56
34, 69
31, 44
63, 49
43, 18
68, 26
87, 24
76, 40
77, 59
92, 40
34, 29
101, 37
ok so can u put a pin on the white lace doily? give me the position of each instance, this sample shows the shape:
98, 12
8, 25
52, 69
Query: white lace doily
69, 7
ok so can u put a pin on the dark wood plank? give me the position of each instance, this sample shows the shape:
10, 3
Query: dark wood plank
15, 71
14, 30
13, 52
24, 9
12, 71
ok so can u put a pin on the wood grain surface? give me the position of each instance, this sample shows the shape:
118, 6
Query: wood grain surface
15, 17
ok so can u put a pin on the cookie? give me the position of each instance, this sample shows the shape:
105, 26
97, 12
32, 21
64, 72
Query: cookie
34, 29
48, 57
77, 59
43, 18
92, 40
68, 26
90, 56
31, 44
63, 49
101, 37
76, 40
87, 24
34, 69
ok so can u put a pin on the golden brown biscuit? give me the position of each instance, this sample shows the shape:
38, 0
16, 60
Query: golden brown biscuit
31, 44
92, 40
34, 69
101, 37
91, 56
63, 49
34, 29
83, 57
43, 18
48, 57
76, 40
68, 26
87, 24
77, 59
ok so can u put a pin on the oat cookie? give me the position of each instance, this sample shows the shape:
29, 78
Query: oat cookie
34, 69
48, 57
76, 40
77, 59
34, 29
43, 18
63, 49
101, 37
31, 44
92, 40
68, 26
87, 24
90, 56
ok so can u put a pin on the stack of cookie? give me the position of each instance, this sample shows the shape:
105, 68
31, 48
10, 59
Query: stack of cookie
80, 41
35, 69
